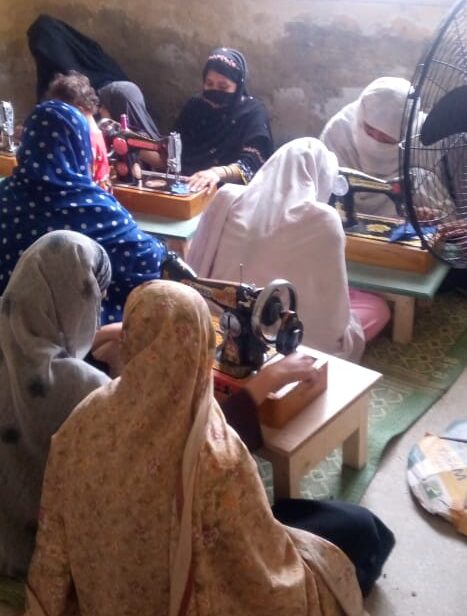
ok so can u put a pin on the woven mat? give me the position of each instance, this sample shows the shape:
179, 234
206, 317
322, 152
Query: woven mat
415, 376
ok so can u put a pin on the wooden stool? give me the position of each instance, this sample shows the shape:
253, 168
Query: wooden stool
339, 416
399, 287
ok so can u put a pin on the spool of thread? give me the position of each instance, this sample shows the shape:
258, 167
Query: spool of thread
124, 121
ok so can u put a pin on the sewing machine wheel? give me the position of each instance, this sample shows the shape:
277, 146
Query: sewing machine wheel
277, 298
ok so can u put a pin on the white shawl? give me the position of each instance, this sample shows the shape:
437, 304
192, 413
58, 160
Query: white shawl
281, 227
381, 105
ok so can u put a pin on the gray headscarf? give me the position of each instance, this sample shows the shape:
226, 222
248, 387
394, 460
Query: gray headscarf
49, 314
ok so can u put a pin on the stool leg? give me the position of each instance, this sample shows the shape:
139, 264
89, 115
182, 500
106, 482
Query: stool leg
404, 315
285, 475
355, 447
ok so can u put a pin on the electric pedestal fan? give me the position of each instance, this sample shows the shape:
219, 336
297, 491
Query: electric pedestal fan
433, 159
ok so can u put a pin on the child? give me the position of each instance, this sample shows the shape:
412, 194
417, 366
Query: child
75, 89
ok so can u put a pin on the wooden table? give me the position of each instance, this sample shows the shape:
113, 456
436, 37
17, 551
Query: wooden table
339, 416
399, 287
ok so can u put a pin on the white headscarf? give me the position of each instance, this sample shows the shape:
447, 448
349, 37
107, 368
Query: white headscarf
48, 318
281, 227
380, 105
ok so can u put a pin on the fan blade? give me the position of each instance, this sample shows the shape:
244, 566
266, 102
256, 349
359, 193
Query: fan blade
448, 117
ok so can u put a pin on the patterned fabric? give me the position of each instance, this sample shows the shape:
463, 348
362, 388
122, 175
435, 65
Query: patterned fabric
48, 318
152, 504
51, 188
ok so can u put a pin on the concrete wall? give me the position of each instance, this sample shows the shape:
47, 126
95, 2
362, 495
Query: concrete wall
306, 57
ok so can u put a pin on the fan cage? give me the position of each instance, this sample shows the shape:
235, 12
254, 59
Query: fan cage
435, 176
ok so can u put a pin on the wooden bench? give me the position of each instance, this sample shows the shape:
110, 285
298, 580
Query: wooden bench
400, 288
338, 416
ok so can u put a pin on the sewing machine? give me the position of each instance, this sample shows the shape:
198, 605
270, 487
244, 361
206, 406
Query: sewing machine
351, 182
368, 236
160, 193
257, 325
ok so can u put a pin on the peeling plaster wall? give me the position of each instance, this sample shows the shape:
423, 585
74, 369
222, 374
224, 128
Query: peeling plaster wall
307, 57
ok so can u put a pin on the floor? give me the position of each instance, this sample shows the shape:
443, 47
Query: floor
425, 574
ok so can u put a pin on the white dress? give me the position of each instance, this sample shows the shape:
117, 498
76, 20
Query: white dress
280, 226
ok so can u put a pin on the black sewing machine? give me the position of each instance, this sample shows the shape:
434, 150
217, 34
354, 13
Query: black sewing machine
7, 127
352, 181
124, 147
253, 318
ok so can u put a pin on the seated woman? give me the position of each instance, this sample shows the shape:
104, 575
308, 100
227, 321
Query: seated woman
58, 48
280, 226
48, 318
51, 188
124, 97
75, 89
147, 488
365, 135
225, 133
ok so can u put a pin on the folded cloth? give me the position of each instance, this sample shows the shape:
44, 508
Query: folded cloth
406, 231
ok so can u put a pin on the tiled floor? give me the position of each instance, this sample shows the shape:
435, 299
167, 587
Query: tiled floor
426, 573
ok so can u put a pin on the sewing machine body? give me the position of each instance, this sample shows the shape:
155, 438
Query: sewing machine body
357, 181
249, 316
124, 146
245, 341
368, 236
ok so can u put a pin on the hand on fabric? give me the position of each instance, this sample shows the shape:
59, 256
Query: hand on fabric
106, 347
293, 367
204, 180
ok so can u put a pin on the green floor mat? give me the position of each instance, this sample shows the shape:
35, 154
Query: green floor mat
415, 376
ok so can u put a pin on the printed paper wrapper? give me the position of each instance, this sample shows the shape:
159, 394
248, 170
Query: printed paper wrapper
437, 474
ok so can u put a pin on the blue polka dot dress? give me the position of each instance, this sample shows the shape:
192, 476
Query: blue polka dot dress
51, 188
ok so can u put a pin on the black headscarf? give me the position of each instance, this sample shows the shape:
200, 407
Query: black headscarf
125, 97
58, 48
239, 133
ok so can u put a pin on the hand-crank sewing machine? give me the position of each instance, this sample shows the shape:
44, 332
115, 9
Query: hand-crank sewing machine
368, 236
256, 324
161, 193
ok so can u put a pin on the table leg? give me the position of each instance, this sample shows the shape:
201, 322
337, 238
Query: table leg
355, 447
179, 246
285, 475
404, 315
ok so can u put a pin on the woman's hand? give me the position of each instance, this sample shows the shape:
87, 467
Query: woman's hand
204, 180
293, 367
106, 347
112, 331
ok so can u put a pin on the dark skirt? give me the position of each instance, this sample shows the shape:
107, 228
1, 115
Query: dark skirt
361, 535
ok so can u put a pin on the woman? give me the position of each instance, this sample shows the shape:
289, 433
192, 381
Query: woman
124, 97
57, 48
151, 504
280, 226
51, 188
49, 314
225, 133
75, 89
365, 135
